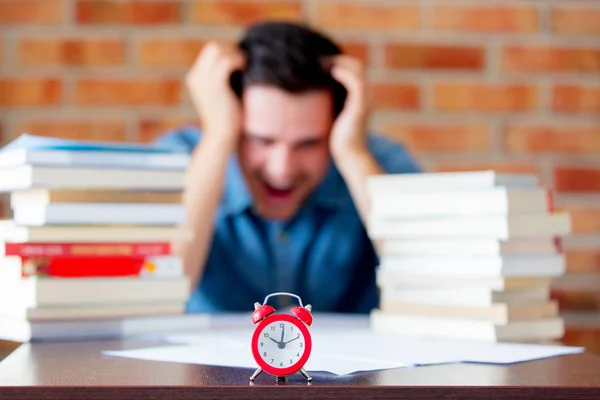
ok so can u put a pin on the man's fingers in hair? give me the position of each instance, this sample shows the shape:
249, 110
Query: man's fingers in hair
230, 62
348, 62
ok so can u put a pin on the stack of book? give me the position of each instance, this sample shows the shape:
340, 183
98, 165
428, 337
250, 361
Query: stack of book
467, 255
89, 249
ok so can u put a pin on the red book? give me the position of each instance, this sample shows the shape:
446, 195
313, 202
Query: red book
86, 249
109, 266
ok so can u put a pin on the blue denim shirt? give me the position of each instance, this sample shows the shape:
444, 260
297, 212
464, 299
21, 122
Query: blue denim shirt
323, 254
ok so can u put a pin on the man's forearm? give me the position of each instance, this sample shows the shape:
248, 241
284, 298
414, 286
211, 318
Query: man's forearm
203, 189
355, 167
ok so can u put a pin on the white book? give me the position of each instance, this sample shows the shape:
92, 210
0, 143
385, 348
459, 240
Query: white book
91, 312
494, 201
492, 227
99, 214
389, 280
32, 177
450, 181
466, 296
34, 292
11, 232
465, 329
467, 246
114, 328
498, 313
90, 158
477, 267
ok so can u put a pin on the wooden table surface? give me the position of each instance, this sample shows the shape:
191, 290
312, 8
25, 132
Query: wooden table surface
78, 370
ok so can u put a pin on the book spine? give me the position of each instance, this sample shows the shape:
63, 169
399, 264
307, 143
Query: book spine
550, 198
87, 249
87, 267
80, 267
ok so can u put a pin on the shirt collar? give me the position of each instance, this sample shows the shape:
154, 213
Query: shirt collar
332, 193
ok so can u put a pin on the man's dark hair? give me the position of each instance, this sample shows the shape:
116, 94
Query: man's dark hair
288, 56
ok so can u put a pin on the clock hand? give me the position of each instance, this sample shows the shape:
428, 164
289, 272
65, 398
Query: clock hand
281, 341
297, 337
273, 340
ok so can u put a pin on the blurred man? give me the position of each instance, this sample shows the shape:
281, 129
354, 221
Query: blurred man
275, 191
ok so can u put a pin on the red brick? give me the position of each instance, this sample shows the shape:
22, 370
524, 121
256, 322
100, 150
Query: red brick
434, 56
582, 260
346, 15
395, 95
486, 18
1, 51
114, 92
93, 129
585, 220
359, 50
422, 137
550, 58
576, 99
499, 167
70, 51
553, 138
169, 52
135, 12
485, 97
577, 179
149, 129
32, 12
575, 20
22, 92
213, 12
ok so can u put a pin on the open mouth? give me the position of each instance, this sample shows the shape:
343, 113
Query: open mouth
278, 193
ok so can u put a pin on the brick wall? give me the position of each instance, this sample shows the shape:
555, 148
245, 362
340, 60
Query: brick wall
511, 85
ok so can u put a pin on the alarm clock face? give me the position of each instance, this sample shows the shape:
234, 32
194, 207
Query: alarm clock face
281, 344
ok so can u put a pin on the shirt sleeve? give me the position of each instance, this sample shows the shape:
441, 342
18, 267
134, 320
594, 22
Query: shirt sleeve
185, 138
392, 156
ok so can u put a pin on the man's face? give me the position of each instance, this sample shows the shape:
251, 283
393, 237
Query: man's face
284, 151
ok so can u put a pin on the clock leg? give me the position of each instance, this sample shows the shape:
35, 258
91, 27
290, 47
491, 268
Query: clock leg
255, 374
305, 374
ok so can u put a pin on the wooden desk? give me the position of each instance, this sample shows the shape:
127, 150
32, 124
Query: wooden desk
79, 371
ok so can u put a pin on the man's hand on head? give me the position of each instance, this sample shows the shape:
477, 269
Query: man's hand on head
208, 82
349, 129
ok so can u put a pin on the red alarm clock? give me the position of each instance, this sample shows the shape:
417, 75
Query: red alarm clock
281, 343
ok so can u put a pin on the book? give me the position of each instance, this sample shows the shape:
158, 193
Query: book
110, 328
100, 214
386, 184
389, 280
85, 249
36, 197
477, 226
468, 246
537, 330
495, 201
42, 292
91, 312
11, 232
467, 296
32, 177
93, 158
497, 313
477, 267
30, 142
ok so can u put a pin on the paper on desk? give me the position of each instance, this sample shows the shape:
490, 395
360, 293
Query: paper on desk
232, 355
343, 351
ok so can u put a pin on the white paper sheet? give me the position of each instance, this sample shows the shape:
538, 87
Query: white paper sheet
232, 355
341, 349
